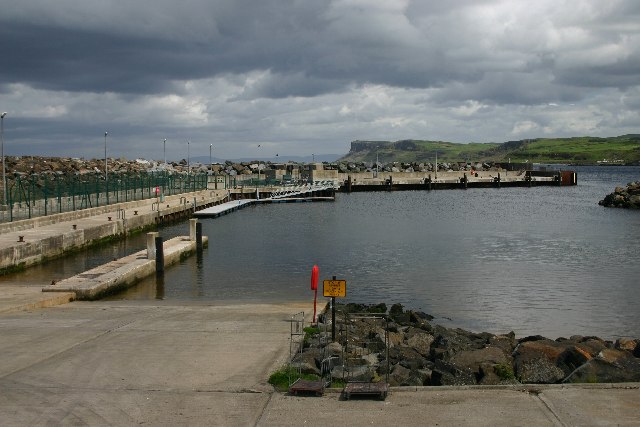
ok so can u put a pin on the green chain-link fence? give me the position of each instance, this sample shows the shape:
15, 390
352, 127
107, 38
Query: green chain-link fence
38, 195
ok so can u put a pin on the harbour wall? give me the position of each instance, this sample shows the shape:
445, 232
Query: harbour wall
32, 241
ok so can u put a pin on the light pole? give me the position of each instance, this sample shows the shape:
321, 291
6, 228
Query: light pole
210, 162
164, 149
106, 177
4, 175
258, 183
188, 158
436, 165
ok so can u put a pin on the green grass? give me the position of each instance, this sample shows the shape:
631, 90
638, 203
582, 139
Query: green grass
504, 371
283, 377
578, 150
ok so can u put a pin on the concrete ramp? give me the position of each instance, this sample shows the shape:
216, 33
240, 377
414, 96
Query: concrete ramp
122, 273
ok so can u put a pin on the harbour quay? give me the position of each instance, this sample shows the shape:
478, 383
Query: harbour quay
31, 241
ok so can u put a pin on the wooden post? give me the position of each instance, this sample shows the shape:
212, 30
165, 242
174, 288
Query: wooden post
159, 255
199, 237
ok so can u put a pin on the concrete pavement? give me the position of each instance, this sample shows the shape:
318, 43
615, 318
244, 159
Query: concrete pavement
163, 363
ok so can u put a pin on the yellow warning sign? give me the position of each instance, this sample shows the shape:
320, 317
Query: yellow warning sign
334, 288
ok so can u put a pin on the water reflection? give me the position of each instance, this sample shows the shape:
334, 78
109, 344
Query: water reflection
159, 285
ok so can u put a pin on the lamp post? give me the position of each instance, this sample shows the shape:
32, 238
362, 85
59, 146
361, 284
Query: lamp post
106, 177
210, 162
188, 158
258, 183
4, 175
436, 165
164, 149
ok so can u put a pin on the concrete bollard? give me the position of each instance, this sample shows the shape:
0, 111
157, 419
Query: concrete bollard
192, 229
151, 244
159, 255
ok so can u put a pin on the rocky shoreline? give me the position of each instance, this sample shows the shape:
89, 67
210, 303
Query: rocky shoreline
426, 354
623, 197
23, 166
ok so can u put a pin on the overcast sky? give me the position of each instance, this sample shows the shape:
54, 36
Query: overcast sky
295, 77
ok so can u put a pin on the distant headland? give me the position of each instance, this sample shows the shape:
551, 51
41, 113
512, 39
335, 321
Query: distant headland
586, 150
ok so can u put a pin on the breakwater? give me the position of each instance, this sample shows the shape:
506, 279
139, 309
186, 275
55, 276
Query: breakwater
455, 180
406, 349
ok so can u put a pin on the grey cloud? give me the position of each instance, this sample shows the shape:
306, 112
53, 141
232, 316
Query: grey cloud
230, 68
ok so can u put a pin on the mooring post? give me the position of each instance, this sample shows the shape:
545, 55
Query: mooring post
199, 237
151, 244
349, 184
499, 180
429, 182
159, 255
192, 229
465, 180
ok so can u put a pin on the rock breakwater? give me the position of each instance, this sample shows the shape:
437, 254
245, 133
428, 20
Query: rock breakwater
425, 354
623, 197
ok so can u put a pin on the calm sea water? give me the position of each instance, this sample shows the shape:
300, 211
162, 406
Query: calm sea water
544, 260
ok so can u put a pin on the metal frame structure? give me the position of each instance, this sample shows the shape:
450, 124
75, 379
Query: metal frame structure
359, 373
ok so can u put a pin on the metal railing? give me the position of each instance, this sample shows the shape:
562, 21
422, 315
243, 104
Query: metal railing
30, 196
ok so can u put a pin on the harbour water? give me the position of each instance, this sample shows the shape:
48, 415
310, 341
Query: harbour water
545, 260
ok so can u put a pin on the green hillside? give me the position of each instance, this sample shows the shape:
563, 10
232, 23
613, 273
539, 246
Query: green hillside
624, 149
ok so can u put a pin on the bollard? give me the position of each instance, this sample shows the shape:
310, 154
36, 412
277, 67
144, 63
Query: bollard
499, 180
159, 255
151, 244
75, 226
192, 229
199, 237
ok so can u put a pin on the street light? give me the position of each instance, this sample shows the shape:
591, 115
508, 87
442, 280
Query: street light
164, 149
188, 158
258, 183
106, 177
4, 176
210, 162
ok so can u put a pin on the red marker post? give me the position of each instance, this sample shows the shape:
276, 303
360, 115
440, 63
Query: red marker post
315, 273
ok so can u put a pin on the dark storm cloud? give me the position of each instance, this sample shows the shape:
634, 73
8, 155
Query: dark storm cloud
277, 70
319, 48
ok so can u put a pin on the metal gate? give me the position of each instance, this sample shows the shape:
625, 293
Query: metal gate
366, 355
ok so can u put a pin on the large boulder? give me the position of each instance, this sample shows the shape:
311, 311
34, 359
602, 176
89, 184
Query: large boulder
535, 361
445, 373
307, 362
610, 366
